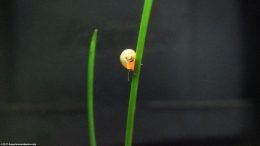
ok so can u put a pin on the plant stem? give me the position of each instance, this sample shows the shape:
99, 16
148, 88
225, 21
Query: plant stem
136, 74
90, 80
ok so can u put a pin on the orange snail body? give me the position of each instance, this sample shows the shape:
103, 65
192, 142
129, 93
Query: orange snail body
127, 59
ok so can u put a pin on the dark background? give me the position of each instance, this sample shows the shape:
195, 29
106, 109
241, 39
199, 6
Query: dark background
199, 85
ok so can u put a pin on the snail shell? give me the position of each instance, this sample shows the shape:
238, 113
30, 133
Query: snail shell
127, 59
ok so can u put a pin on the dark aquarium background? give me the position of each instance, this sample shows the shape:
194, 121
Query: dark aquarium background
199, 85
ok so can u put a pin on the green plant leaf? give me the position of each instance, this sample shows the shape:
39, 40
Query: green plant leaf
136, 74
90, 88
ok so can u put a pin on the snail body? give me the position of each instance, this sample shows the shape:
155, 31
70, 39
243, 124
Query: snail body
127, 59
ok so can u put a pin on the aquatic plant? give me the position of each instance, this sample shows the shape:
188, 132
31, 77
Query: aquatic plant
134, 83
90, 87
136, 72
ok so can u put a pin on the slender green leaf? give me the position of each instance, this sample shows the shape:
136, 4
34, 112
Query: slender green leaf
136, 74
90, 88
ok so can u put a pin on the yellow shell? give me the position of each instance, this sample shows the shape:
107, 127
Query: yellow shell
127, 59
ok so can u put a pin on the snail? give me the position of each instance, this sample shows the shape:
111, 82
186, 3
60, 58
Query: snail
127, 59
